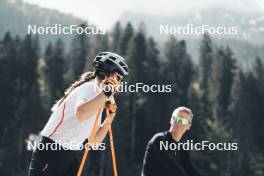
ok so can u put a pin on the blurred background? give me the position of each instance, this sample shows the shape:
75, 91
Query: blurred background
220, 77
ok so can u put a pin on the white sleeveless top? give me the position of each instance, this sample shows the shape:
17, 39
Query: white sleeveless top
63, 125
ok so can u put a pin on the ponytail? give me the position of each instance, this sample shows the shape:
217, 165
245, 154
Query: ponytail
85, 77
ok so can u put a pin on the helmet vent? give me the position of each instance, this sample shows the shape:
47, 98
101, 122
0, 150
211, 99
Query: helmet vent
97, 58
112, 58
122, 64
125, 68
109, 62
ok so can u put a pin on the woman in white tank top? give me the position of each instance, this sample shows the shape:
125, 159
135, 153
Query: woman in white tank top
74, 117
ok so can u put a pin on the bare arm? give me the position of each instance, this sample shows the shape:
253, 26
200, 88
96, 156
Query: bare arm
103, 130
88, 108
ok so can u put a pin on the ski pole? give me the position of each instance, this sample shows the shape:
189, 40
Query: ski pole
91, 139
111, 106
113, 151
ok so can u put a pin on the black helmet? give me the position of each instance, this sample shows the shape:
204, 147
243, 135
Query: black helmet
109, 62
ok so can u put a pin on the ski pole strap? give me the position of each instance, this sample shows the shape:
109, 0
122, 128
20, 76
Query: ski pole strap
91, 139
113, 151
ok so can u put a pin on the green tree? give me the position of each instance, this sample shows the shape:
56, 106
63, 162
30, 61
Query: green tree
205, 62
80, 49
245, 101
22, 102
258, 73
153, 101
136, 60
179, 71
54, 71
116, 37
125, 38
238, 122
220, 81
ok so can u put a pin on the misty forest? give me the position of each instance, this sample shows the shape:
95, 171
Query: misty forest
221, 80
226, 100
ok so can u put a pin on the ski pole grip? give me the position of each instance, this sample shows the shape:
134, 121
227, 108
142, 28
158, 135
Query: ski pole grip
110, 104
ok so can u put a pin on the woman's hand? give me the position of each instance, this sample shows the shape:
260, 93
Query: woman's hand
103, 130
88, 108
111, 85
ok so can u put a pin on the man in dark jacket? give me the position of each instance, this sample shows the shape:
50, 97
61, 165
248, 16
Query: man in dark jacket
160, 159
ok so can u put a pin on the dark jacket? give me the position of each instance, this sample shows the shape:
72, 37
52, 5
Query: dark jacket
163, 162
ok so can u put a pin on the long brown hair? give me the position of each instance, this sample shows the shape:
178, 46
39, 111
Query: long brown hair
85, 77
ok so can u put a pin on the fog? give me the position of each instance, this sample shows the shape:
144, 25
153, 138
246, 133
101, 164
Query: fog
105, 13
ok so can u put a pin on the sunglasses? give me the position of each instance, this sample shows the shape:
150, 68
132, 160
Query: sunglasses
181, 120
119, 77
